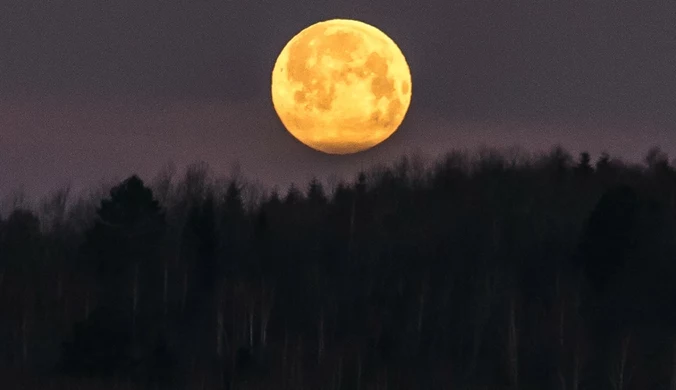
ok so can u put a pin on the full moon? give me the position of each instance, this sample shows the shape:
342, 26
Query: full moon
341, 86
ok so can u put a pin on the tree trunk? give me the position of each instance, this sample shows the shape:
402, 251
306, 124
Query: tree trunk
285, 353
576, 367
320, 333
297, 367
421, 311
59, 286
562, 378
165, 289
359, 371
562, 309
24, 337
135, 299
672, 384
620, 377
483, 313
184, 294
66, 308
267, 301
577, 360
219, 332
513, 344
251, 325
87, 309
235, 341
339, 374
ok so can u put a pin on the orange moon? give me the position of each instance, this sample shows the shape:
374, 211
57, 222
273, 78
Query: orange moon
341, 86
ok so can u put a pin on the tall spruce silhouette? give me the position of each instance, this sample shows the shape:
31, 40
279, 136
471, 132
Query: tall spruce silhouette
122, 248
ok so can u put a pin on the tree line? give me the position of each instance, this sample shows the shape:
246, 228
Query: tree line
492, 270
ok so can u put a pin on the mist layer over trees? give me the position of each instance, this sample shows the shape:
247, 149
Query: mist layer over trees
495, 270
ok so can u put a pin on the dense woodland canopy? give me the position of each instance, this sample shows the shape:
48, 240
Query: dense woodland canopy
491, 270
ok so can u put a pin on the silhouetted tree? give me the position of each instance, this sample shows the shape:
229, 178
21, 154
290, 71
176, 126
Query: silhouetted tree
202, 238
315, 193
123, 246
20, 241
584, 168
610, 235
656, 160
202, 278
558, 162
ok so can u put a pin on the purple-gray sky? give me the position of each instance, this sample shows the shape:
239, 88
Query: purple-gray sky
96, 89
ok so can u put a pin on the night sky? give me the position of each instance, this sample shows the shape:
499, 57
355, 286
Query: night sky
93, 90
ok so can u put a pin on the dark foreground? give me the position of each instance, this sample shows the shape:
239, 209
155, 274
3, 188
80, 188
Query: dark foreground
499, 271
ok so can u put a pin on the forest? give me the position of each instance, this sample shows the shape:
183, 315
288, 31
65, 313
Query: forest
492, 269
